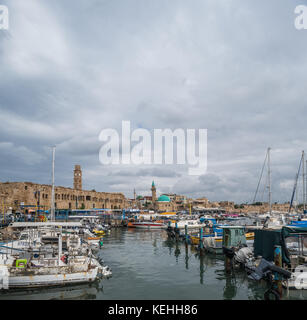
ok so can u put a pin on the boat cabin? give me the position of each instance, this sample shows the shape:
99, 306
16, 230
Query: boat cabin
233, 236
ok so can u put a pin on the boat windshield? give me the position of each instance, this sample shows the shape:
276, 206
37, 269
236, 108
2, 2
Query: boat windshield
297, 244
23, 237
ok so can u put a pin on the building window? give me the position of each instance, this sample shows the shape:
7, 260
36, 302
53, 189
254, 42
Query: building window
88, 198
26, 187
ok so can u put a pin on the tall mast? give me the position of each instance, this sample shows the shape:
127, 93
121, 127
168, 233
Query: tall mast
269, 186
304, 191
305, 186
52, 191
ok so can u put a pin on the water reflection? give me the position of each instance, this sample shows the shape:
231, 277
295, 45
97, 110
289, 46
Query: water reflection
232, 285
201, 268
177, 252
149, 265
73, 292
186, 257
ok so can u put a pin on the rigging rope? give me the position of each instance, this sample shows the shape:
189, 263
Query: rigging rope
260, 177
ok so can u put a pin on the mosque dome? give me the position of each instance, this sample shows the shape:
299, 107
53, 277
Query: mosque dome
164, 198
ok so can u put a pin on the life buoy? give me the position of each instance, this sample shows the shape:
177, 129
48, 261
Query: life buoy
64, 258
21, 263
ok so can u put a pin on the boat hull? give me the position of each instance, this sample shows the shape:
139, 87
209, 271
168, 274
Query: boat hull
147, 225
34, 281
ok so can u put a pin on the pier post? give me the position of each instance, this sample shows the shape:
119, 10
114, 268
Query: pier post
186, 256
201, 238
228, 264
176, 231
60, 246
186, 234
201, 247
278, 263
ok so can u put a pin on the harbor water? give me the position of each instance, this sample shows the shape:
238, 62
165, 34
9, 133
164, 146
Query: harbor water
147, 265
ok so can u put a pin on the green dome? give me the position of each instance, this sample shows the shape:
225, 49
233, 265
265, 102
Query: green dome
164, 198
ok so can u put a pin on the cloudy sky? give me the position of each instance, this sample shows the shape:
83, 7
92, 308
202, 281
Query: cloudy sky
69, 69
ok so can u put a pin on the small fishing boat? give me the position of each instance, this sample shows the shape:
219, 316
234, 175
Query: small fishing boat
147, 225
250, 235
195, 239
191, 224
99, 232
213, 245
46, 272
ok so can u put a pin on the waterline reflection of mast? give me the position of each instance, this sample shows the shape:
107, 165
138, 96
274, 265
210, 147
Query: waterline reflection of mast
52, 190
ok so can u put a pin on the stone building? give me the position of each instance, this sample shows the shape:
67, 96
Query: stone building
77, 177
163, 203
18, 194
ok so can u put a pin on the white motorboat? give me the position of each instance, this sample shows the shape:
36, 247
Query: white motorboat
147, 225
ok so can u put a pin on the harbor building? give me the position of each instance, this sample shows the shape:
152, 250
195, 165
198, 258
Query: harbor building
16, 195
163, 203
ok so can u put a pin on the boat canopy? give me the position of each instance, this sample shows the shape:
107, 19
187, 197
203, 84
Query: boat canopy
266, 239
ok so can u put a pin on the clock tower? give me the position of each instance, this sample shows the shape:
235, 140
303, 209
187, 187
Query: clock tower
77, 177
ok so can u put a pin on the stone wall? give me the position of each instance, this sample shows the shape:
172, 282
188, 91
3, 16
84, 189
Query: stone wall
16, 193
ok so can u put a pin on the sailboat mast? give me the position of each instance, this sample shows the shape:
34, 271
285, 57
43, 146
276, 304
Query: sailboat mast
269, 176
52, 191
304, 191
305, 186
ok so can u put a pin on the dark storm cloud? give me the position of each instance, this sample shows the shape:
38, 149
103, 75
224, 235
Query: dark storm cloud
70, 69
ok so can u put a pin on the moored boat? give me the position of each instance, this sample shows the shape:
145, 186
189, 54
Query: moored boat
147, 225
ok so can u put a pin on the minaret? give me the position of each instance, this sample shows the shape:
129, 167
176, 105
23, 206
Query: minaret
153, 193
77, 177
